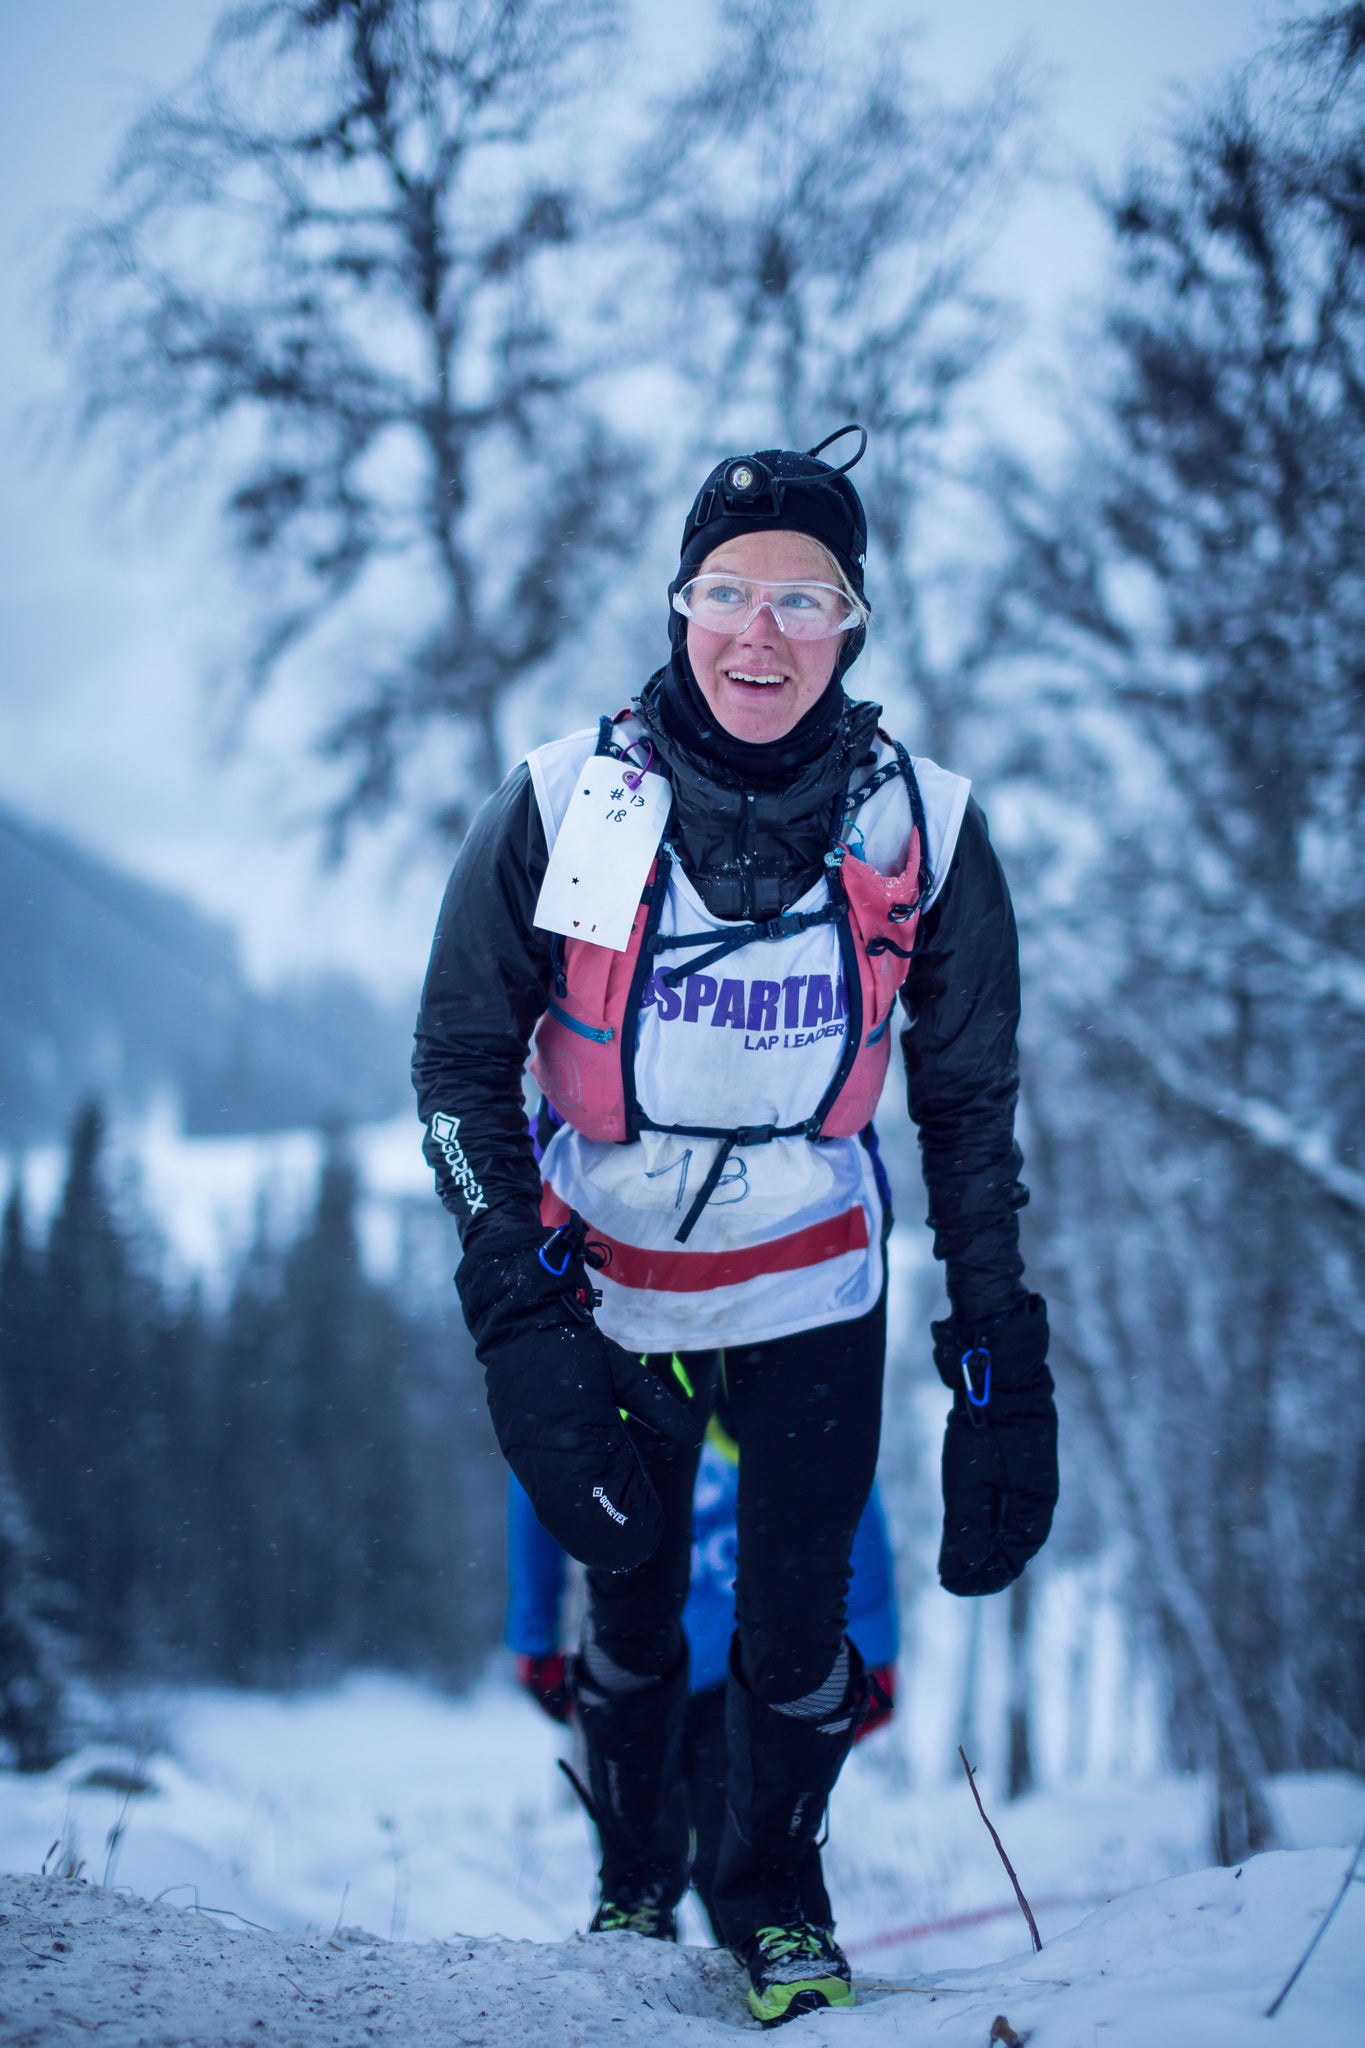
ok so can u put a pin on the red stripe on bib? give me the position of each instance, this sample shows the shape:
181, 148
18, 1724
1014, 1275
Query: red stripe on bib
681, 1272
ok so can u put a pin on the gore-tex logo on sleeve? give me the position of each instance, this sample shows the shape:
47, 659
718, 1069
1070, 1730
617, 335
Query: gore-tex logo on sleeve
444, 1133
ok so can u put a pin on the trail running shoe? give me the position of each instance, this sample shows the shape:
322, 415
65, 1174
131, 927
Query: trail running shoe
636, 1910
795, 1969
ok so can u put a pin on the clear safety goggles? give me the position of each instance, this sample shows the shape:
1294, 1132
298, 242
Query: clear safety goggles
803, 611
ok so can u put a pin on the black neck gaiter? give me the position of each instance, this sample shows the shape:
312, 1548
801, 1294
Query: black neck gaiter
767, 764
751, 824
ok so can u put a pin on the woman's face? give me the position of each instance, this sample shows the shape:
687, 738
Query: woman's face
759, 683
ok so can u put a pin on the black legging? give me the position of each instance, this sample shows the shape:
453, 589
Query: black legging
806, 1414
705, 1766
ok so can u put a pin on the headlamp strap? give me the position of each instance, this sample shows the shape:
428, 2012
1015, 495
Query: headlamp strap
838, 435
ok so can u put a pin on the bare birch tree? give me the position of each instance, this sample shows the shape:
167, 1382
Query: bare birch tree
337, 267
1186, 613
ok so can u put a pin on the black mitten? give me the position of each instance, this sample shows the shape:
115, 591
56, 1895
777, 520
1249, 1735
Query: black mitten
999, 1449
556, 1388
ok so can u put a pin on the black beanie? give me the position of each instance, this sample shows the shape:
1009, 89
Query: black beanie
784, 489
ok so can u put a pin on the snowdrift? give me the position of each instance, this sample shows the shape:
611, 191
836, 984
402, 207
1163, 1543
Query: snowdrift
1188, 1963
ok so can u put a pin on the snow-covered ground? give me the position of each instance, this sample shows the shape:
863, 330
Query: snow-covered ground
443, 1829
1191, 1963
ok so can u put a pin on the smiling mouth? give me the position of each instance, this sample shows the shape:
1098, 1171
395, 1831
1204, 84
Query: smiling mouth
764, 682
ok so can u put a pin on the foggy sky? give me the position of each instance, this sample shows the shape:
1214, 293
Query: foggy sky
108, 629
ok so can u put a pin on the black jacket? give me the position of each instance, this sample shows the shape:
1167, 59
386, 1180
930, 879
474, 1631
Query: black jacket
488, 984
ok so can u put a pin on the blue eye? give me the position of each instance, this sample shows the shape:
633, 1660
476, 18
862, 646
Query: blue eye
725, 593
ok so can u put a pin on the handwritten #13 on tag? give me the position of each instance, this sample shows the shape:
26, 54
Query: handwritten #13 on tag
600, 860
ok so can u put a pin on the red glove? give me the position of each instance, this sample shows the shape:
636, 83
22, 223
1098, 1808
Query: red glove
881, 1700
547, 1680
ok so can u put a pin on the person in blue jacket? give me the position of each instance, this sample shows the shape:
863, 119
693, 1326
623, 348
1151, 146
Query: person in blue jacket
537, 1570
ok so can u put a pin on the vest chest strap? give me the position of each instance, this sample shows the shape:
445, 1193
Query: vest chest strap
788, 926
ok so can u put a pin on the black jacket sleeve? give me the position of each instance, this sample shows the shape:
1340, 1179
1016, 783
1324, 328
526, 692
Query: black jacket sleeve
962, 996
487, 985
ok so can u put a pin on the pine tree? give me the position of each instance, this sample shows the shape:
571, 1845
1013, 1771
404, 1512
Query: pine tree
250, 1480
22, 1329
89, 1389
179, 1547
32, 1666
311, 1477
347, 1354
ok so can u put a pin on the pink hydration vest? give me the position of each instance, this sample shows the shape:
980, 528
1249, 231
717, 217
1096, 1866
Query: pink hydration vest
584, 1046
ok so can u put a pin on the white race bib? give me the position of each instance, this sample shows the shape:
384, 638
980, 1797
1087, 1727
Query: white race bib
662, 1172
600, 860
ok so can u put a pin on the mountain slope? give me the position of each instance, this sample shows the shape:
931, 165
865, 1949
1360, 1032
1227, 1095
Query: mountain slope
112, 987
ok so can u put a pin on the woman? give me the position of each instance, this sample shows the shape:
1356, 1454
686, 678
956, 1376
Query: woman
699, 919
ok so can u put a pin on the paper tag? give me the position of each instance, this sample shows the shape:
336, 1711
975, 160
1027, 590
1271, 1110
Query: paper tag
600, 862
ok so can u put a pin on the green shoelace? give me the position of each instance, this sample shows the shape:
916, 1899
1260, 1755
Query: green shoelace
782, 1944
640, 1920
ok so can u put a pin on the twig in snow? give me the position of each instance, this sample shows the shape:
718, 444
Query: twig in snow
1024, 1906
342, 1907
223, 1912
1328, 1918
129, 1782
227, 1913
118, 1831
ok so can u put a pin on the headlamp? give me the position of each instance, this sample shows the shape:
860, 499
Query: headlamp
788, 490
744, 480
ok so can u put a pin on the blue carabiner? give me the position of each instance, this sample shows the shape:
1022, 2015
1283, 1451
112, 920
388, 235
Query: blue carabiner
558, 1271
977, 1351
